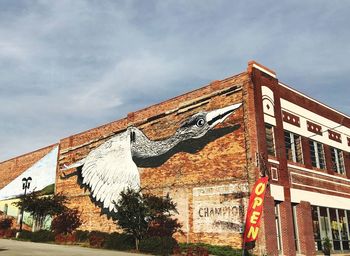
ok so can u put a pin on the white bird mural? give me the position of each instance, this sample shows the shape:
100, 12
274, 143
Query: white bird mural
109, 169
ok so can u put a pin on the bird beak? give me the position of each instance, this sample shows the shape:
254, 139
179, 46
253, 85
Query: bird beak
219, 115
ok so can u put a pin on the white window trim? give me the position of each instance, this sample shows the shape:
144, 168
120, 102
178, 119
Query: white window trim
340, 165
278, 229
294, 148
318, 154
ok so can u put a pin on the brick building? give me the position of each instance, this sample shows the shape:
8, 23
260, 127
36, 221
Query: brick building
300, 143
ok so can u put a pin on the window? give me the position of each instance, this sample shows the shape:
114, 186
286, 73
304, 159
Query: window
317, 155
324, 223
278, 226
344, 232
293, 147
335, 229
295, 227
270, 143
316, 228
331, 223
337, 161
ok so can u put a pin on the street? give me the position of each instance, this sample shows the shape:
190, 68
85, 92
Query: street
19, 248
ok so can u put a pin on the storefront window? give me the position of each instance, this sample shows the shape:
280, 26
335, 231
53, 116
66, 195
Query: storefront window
331, 223
316, 228
278, 226
344, 232
295, 227
335, 229
324, 221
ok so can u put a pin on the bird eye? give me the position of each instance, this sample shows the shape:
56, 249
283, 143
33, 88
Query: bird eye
200, 122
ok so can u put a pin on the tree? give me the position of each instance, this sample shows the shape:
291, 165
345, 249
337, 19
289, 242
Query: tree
140, 215
66, 222
161, 211
41, 206
132, 214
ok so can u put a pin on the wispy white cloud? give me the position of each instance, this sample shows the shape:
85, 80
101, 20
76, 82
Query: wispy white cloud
67, 66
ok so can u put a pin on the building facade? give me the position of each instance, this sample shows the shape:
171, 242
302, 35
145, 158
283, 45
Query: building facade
306, 151
39, 166
207, 148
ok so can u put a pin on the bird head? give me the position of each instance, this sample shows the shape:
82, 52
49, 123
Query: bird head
197, 125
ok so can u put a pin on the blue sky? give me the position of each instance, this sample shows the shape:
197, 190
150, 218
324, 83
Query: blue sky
68, 66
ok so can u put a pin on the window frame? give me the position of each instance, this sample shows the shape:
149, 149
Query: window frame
317, 154
329, 231
337, 158
271, 141
293, 137
278, 227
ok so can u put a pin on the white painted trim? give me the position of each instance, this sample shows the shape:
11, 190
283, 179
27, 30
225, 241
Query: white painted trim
319, 199
274, 169
325, 123
319, 188
269, 119
273, 161
264, 70
277, 192
318, 102
315, 178
316, 172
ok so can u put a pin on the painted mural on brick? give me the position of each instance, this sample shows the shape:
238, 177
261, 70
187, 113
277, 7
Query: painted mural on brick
42, 173
43, 176
112, 167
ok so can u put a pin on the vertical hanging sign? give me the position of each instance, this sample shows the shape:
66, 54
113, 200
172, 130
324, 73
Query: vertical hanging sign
255, 207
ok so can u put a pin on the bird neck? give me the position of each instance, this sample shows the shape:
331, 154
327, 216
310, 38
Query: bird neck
166, 144
143, 147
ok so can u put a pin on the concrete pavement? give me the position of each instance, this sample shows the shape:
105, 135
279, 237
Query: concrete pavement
19, 248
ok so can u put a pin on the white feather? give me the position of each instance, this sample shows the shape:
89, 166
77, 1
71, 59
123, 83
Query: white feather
109, 169
74, 165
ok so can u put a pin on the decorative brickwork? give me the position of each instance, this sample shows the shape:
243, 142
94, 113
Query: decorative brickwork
334, 136
315, 128
290, 118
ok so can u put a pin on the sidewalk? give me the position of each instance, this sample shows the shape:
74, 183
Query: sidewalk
19, 248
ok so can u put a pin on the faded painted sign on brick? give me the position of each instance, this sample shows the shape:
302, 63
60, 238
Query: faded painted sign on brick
219, 209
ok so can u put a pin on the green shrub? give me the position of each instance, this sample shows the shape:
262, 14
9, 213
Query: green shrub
42, 236
38, 236
119, 241
82, 236
158, 245
218, 250
25, 235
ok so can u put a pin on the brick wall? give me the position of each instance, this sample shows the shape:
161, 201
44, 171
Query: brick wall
306, 235
317, 180
12, 168
221, 158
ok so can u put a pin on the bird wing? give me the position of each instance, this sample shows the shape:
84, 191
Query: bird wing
109, 169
